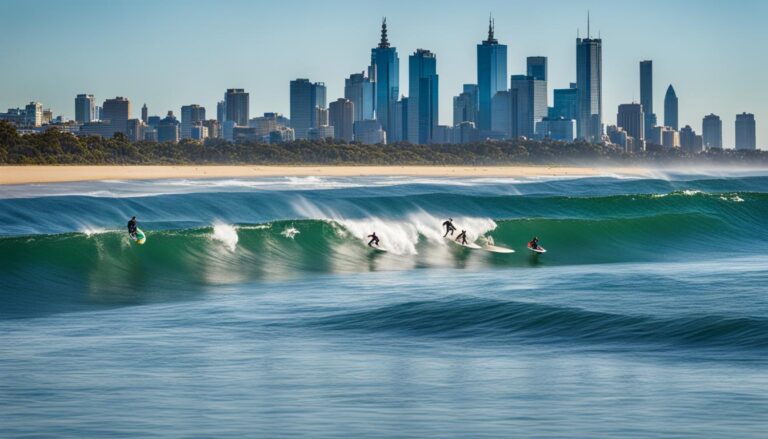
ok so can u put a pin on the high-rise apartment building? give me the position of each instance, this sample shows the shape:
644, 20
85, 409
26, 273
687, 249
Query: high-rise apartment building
712, 131
745, 131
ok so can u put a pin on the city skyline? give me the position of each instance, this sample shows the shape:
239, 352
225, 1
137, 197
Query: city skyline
695, 78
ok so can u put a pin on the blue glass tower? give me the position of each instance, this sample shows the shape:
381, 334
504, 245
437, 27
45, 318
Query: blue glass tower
491, 75
385, 72
422, 96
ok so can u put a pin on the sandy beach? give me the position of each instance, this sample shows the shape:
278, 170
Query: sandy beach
56, 174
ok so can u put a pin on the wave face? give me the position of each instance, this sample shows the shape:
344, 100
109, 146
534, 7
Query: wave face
69, 248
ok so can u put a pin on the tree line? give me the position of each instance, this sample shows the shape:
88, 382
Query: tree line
53, 147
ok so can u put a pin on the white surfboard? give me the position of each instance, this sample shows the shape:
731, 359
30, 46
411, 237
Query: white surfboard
471, 245
497, 249
540, 249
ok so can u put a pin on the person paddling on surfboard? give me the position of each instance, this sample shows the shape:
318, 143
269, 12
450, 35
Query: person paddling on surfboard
449, 227
374, 240
132, 227
462, 238
534, 244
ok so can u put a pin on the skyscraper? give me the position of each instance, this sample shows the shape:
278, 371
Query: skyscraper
33, 114
360, 90
306, 98
646, 95
501, 110
400, 124
632, 120
144, 113
745, 131
589, 85
491, 75
422, 96
537, 67
531, 104
670, 108
168, 129
221, 112
191, 115
85, 108
712, 131
236, 103
117, 111
566, 103
341, 115
689, 141
465, 105
385, 72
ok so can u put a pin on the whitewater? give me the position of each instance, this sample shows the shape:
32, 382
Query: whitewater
256, 309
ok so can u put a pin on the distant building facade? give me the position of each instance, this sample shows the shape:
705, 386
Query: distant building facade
85, 108
670, 108
712, 131
422, 96
341, 115
589, 88
491, 75
746, 137
237, 106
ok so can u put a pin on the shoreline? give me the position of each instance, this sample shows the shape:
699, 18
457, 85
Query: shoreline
31, 174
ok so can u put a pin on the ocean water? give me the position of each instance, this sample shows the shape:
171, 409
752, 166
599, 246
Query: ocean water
255, 308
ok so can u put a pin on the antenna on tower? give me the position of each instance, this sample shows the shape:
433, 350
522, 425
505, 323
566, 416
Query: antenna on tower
588, 34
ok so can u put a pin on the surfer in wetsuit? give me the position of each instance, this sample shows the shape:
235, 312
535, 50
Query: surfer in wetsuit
462, 238
449, 227
132, 227
534, 244
374, 240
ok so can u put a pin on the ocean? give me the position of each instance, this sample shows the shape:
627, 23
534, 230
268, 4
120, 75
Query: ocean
255, 308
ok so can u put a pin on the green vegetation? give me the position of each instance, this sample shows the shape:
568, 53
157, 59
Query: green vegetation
53, 147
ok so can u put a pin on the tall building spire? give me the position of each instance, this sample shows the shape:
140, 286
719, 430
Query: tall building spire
384, 43
491, 28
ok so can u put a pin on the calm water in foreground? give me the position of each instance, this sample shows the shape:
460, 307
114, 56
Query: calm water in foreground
256, 310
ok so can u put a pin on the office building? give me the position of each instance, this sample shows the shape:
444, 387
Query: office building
670, 138
320, 132
385, 73
221, 111
321, 117
565, 103
191, 115
117, 111
632, 120
491, 76
214, 128
619, 137
135, 130
341, 115
237, 106
306, 98
465, 105
85, 108
465, 132
501, 109
370, 132
712, 131
360, 91
199, 132
168, 129
400, 124
589, 88
670, 108
422, 96
745, 131
560, 129
646, 95
690, 142
34, 114
144, 113
537, 67
530, 95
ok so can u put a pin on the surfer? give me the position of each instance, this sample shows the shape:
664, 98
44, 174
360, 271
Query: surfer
374, 240
449, 227
534, 244
132, 227
462, 238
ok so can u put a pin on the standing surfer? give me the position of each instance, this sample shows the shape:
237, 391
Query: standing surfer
132, 227
462, 238
374, 240
449, 227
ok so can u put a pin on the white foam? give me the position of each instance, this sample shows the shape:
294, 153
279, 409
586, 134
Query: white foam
290, 232
226, 234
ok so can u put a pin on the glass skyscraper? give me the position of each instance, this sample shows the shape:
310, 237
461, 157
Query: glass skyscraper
306, 98
712, 131
359, 90
745, 131
491, 76
465, 105
670, 108
385, 73
589, 88
529, 104
537, 67
236, 106
85, 108
422, 96
646, 95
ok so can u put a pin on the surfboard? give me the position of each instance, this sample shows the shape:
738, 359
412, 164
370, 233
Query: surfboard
497, 249
471, 245
141, 238
378, 249
537, 250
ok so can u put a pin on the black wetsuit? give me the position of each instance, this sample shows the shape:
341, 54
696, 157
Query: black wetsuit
449, 228
463, 237
534, 244
374, 240
132, 227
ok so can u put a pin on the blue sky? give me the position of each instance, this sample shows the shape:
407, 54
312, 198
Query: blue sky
172, 52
